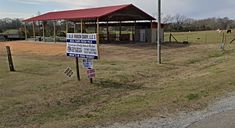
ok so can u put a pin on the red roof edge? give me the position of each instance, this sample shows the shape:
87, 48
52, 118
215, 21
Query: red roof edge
121, 7
29, 19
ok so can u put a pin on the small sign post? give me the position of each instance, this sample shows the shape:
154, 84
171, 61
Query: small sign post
77, 69
87, 63
91, 74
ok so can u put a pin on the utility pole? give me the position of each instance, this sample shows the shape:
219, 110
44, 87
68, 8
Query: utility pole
159, 33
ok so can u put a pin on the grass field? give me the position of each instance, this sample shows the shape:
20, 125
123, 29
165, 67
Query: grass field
129, 84
202, 36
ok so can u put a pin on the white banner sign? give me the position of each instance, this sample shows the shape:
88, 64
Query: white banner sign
82, 45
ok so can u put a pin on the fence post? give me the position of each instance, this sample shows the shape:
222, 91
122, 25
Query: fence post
170, 38
11, 66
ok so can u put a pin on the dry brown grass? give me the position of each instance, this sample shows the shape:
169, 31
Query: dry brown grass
129, 84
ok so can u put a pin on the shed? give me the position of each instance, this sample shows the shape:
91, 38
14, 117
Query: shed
141, 23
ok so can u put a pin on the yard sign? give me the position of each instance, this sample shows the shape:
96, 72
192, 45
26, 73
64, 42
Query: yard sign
82, 45
87, 63
91, 73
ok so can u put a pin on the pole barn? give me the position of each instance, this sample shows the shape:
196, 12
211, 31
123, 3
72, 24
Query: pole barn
104, 20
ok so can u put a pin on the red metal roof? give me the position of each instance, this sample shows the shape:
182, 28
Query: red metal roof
91, 13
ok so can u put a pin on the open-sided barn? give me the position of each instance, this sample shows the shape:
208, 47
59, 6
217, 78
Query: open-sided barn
140, 25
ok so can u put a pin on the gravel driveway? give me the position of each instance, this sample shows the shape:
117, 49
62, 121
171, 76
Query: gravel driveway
183, 120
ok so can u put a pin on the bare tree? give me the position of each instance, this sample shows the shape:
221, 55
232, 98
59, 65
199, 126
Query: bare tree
167, 19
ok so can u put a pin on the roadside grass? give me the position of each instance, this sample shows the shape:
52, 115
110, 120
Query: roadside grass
129, 84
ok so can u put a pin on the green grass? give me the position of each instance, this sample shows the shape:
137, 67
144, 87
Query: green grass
129, 85
201, 36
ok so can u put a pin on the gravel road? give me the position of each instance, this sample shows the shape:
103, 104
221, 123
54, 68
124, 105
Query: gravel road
220, 120
183, 119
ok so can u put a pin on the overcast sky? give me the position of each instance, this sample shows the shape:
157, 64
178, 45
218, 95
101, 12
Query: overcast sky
197, 9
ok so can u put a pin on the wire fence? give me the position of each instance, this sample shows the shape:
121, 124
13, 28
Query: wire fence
200, 37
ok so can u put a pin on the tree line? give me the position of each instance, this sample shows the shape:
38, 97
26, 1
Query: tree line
180, 23
8, 23
176, 23
18, 24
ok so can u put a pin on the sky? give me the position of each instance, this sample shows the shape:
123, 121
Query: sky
197, 9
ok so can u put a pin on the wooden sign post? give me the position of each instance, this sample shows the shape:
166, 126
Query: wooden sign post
77, 69
11, 65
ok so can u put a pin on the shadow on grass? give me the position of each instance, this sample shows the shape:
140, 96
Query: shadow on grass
176, 44
107, 83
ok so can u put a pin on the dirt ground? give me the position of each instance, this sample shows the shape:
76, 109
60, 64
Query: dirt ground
106, 50
36, 47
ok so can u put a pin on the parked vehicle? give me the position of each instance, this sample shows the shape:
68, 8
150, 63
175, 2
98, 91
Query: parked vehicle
12, 34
